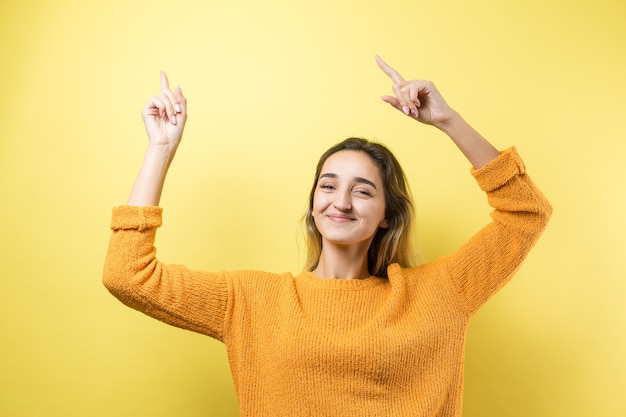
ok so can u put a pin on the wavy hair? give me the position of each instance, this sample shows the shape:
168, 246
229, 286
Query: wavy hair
393, 244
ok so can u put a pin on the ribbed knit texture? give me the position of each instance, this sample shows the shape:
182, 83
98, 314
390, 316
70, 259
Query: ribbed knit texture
306, 346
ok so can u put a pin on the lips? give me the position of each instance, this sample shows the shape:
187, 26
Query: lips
340, 218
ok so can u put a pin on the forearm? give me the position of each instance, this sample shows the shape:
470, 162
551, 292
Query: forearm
149, 183
521, 212
471, 143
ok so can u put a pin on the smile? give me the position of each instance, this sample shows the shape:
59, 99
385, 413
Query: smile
339, 218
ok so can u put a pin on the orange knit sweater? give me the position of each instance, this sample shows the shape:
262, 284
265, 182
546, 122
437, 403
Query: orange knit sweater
306, 346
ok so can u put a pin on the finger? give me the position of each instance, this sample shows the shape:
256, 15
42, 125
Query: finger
397, 104
165, 89
179, 107
155, 107
402, 97
414, 94
411, 93
168, 106
181, 102
162, 107
393, 101
165, 84
392, 73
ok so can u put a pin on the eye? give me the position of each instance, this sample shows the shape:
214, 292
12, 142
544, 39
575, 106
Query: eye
363, 192
327, 186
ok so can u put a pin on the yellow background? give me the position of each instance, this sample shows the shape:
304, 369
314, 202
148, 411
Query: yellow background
271, 84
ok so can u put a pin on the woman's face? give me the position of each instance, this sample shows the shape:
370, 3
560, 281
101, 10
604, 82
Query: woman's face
349, 199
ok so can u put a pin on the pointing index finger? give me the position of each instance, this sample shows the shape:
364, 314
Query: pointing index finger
392, 73
165, 84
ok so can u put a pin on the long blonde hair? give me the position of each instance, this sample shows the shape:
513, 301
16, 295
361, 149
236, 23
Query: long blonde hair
393, 244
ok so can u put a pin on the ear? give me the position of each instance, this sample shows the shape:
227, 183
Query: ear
383, 224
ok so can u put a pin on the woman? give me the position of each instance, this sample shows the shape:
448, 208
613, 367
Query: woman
359, 332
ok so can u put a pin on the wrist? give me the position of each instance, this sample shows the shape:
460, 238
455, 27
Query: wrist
451, 123
161, 151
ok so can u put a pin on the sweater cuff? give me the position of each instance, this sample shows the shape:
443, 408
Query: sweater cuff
497, 172
138, 218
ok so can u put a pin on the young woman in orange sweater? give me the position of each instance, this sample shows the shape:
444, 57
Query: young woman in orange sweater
361, 331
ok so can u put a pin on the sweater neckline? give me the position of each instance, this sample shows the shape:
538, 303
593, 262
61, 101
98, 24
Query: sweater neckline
340, 284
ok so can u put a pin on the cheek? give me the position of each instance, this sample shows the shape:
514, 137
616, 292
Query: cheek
383, 212
319, 201
380, 215
374, 210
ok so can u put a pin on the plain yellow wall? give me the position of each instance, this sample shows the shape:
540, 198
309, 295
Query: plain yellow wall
271, 84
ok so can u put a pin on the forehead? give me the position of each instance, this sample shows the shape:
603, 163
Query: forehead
352, 164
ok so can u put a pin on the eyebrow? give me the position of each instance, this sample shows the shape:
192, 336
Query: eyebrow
357, 179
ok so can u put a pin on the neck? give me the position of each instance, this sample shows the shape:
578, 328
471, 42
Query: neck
342, 263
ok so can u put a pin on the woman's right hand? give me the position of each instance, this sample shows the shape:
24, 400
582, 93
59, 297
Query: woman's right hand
165, 115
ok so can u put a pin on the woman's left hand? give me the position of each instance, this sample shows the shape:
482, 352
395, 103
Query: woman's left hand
416, 98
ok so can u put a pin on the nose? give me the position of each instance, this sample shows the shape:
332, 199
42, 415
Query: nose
343, 201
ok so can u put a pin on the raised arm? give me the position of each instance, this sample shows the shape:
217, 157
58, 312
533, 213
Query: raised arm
174, 294
481, 266
164, 117
420, 100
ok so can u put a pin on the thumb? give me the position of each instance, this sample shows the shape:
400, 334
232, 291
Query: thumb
393, 101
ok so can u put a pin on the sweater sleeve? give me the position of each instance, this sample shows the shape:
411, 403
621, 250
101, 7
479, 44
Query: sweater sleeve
174, 294
486, 262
